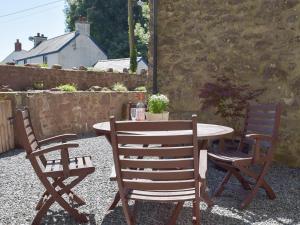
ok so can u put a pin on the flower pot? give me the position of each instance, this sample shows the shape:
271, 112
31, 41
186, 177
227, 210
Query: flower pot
157, 116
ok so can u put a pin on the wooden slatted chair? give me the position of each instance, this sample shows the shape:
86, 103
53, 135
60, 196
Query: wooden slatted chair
53, 173
261, 128
159, 174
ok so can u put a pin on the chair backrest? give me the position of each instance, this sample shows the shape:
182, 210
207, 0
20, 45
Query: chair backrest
263, 119
27, 136
155, 155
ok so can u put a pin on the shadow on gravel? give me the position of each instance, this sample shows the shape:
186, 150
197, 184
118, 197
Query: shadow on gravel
11, 153
63, 218
159, 214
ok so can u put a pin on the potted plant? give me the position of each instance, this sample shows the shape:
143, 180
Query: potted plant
157, 106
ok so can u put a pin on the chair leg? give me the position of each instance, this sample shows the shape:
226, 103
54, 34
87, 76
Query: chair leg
42, 211
128, 216
260, 182
115, 201
196, 213
241, 179
220, 188
175, 213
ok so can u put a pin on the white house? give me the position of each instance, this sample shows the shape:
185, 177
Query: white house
119, 65
72, 49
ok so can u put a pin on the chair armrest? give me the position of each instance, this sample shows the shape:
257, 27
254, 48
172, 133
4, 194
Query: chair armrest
53, 148
261, 137
202, 163
62, 138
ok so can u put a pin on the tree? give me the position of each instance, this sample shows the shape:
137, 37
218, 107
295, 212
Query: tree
132, 47
109, 24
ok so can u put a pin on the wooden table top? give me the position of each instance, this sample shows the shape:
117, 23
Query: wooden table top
204, 131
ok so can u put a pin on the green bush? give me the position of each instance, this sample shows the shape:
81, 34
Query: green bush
38, 85
67, 87
158, 103
141, 88
119, 87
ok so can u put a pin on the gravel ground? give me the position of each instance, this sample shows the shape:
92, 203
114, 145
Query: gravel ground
20, 190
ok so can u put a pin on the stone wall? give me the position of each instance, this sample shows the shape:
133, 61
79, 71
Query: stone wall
253, 42
55, 113
20, 78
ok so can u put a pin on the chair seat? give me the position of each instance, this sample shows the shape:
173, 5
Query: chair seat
165, 196
230, 156
54, 168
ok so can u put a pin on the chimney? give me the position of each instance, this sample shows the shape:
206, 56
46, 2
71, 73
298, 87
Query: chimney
39, 38
82, 26
18, 46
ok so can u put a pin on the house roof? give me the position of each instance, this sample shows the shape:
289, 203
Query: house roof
116, 64
12, 57
51, 45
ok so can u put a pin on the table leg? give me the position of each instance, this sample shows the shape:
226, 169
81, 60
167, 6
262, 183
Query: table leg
203, 144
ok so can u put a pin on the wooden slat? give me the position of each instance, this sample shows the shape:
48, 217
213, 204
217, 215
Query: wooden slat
261, 122
157, 151
29, 130
162, 198
263, 107
88, 161
259, 129
26, 122
186, 163
72, 164
158, 175
158, 185
164, 193
56, 166
25, 114
34, 145
80, 162
48, 167
31, 138
261, 115
145, 139
153, 126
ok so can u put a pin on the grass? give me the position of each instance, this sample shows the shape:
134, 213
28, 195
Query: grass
119, 87
67, 87
140, 88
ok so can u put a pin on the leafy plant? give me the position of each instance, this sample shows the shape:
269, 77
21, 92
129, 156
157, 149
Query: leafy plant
228, 98
158, 103
38, 85
67, 87
140, 88
45, 65
119, 87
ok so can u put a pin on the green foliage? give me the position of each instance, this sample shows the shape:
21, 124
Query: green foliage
44, 65
38, 85
67, 87
119, 87
158, 103
141, 88
133, 61
109, 24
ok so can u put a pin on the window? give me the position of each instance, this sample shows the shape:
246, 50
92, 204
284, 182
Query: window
25, 61
45, 59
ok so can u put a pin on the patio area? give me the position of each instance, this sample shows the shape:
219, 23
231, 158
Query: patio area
20, 190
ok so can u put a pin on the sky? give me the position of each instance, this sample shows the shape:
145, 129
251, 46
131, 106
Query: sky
48, 20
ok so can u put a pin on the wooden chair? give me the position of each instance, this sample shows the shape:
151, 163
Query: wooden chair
261, 127
171, 174
53, 173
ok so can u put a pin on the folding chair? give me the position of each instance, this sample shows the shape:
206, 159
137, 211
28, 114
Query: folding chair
53, 173
159, 174
261, 128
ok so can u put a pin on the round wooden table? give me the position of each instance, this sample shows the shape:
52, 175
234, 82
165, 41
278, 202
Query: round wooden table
205, 133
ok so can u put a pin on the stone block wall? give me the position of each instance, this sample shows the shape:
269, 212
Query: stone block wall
20, 78
253, 42
56, 113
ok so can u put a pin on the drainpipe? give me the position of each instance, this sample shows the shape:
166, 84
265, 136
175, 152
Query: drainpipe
154, 24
